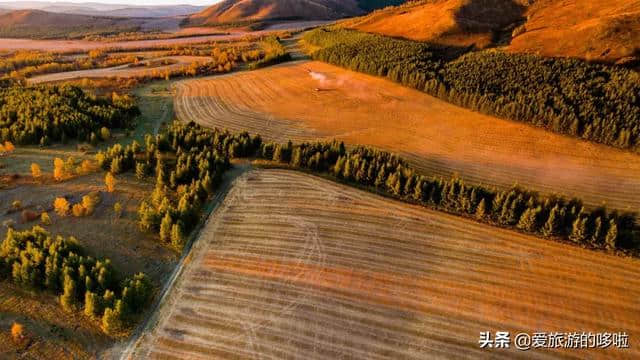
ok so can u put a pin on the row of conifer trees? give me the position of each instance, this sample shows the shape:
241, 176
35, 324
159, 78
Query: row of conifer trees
188, 162
528, 211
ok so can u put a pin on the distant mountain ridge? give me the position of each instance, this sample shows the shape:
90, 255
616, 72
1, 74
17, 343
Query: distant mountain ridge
230, 11
99, 9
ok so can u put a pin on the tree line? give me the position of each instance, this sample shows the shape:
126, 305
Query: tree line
595, 102
42, 115
187, 163
528, 211
35, 259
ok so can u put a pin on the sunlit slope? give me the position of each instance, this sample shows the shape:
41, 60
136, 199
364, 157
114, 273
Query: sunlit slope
290, 102
595, 30
297, 267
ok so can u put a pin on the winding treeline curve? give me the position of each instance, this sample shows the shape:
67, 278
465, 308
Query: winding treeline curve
595, 102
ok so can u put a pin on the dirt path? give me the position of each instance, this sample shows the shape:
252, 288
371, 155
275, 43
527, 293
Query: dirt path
294, 266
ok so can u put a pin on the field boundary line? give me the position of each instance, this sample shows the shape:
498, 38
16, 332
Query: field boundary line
193, 245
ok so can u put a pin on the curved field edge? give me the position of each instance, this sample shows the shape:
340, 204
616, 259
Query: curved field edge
295, 266
306, 101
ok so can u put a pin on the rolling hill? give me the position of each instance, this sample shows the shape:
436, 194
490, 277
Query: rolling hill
233, 11
594, 30
47, 25
98, 9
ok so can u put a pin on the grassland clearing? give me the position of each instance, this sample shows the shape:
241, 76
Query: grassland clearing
313, 100
295, 266
54, 333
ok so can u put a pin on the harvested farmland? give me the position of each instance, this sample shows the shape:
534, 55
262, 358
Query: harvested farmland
295, 266
313, 100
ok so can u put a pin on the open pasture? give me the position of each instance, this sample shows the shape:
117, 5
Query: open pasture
313, 100
294, 266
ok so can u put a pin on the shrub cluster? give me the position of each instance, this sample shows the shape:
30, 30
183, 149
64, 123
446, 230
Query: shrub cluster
41, 115
595, 102
35, 259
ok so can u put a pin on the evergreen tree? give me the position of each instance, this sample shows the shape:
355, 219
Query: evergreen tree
611, 240
110, 321
68, 298
481, 211
596, 237
91, 304
529, 220
165, 228
552, 226
141, 171
177, 238
579, 230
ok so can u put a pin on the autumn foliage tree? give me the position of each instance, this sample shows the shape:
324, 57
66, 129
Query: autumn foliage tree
61, 206
35, 171
110, 182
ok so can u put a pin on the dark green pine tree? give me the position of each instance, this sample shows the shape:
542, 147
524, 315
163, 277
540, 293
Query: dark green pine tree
552, 226
579, 230
611, 240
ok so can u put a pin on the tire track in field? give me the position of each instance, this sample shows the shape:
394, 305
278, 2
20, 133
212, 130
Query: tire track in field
294, 266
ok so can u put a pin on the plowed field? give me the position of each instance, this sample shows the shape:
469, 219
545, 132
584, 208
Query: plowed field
293, 266
313, 100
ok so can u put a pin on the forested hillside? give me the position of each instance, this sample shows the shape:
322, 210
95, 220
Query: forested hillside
595, 30
596, 102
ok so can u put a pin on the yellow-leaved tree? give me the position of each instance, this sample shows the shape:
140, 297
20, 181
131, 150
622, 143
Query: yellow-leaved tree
110, 182
35, 171
61, 206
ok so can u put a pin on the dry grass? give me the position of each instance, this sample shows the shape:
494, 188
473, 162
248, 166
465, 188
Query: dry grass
450, 22
283, 103
596, 30
293, 266
51, 332
101, 233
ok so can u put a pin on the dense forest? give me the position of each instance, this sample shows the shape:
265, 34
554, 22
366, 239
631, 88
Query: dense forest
37, 260
595, 102
188, 161
41, 115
